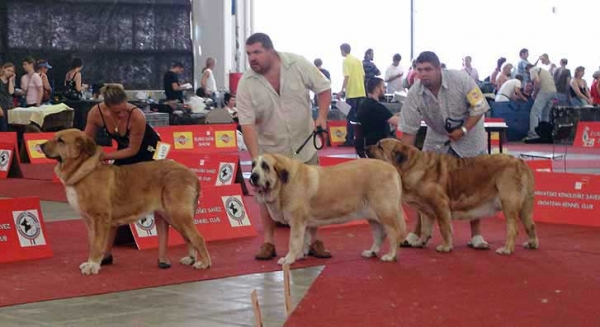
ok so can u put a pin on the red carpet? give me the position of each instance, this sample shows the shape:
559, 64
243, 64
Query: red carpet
556, 285
59, 277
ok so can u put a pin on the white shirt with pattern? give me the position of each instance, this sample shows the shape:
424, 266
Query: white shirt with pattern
459, 98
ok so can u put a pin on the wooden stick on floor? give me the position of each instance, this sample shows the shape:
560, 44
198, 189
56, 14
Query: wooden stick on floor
286, 290
257, 315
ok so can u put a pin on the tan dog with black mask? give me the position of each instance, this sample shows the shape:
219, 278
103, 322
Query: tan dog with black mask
309, 196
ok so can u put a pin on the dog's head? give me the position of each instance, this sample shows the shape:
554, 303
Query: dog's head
69, 145
392, 151
269, 174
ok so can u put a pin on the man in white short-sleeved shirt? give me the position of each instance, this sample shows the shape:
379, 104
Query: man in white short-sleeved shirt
274, 111
393, 75
511, 90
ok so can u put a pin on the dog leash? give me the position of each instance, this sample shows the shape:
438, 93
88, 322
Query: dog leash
317, 133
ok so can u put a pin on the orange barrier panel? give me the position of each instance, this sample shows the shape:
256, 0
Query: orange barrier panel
208, 138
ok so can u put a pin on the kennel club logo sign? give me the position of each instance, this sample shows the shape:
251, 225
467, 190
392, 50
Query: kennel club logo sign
236, 212
221, 215
588, 135
211, 138
566, 198
22, 229
211, 169
5, 159
146, 227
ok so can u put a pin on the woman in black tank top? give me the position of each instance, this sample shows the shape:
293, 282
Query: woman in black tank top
136, 140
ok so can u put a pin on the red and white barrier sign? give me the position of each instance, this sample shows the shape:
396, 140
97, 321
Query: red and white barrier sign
33, 142
208, 138
22, 230
221, 215
7, 153
11, 137
211, 169
540, 165
566, 198
588, 135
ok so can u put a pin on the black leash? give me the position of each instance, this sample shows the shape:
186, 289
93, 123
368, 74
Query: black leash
317, 133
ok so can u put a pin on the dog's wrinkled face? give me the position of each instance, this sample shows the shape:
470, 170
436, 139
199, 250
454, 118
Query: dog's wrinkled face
69, 144
267, 175
390, 150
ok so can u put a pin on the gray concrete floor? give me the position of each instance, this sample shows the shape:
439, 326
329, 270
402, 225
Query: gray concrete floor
221, 302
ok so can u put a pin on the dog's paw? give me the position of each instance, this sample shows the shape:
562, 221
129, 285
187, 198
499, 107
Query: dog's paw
504, 251
368, 254
531, 245
286, 260
188, 261
201, 265
443, 248
89, 268
388, 257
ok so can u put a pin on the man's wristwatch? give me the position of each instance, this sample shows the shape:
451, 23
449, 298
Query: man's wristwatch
464, 130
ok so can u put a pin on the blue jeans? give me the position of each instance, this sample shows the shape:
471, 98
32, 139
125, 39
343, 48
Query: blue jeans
563, 99
354, 103
540, 111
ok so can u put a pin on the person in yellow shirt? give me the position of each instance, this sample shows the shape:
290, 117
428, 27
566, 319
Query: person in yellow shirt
353, 88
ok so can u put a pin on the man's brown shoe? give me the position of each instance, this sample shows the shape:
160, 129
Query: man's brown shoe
318, 250
266, 252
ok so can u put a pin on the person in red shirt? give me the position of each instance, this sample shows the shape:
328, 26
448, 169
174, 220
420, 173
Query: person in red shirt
595, 88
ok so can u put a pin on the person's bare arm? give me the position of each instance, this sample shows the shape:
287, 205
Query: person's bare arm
91, 127
250, 139
587, 93
344, 84
11, 85
394, 121
138, 127
204, 79
78, 85
519, 94
46, 83
40, 90
408, 139
324, 101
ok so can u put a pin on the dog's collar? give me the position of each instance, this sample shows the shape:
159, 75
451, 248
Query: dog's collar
81, 171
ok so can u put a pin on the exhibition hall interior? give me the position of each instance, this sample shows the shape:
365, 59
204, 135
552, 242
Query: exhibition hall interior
299, 163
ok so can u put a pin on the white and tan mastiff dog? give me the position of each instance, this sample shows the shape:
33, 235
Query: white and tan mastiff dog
309, 196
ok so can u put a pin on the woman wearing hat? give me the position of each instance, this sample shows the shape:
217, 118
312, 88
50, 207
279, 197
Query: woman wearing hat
43, 67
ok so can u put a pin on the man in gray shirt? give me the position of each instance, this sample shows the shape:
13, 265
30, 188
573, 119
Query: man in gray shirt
452, 106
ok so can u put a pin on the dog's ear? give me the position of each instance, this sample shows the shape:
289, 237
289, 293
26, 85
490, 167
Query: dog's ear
86, 145
282, 173
400, 156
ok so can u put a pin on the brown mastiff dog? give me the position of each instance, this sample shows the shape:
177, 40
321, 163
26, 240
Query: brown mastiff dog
447, 188
107, 195
304, 196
